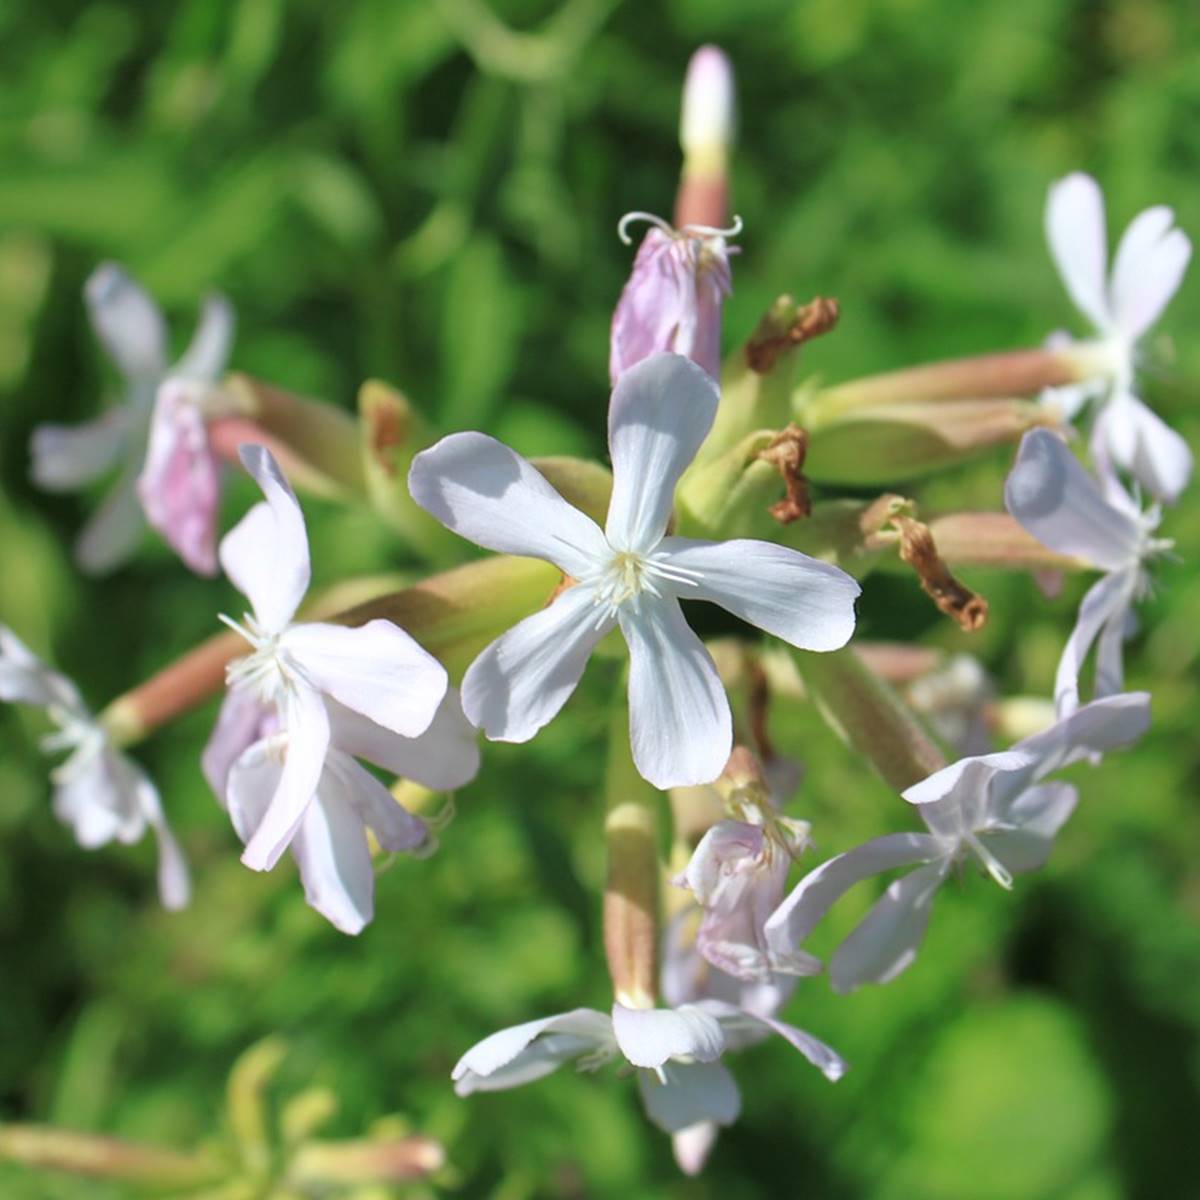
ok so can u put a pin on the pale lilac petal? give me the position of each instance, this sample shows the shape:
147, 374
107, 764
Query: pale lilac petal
25, 679
1107, 601
649, 1037
1076, 232
180, 483
174, 884
1030, 824
968, 776
679, 721
713, 867
1148, 269
1110, 656
1055, 500
444, 757
396, 829
823, 1057
819, 890
208, 351
375, 669
266, 553
655, 301
307, 731
252, 781
661, 411
1145, 446
127, 322
886, 941
113, 532
331, 852
99, 800
68, 457
519, 682
692, 1093
493, 497
241, 721
803, 601
693, 1145
587, 1029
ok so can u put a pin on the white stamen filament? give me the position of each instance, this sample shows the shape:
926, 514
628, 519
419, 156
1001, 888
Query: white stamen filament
268, 670
77, 733
627, 574
701, 231
995, 868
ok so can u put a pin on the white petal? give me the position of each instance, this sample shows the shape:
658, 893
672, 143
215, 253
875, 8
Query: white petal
127, 322
679, 721
375, 669
1107, 600
1033, 820
251, 781
734, 1020
540, 1058
444, 757
649, 1037
331, 851
241, 721
266, 552
519, 682
661, 410
887, 940
174, 885
1054, 498
819, 890
373, 805
692, 1146
502, 1048
68, 457
493, 497
208, 351
1096, 728
25, 679
1148, 270
967, 776
113, 532
806, 602
1145, 446
99, 800
692, 1093
1076, 233
307, 730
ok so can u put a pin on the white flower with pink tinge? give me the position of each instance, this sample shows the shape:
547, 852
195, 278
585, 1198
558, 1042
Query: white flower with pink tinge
630, 575
306, 703
101, 793
1146, 272
675, 1051
1062, 506
991, 810
131, 329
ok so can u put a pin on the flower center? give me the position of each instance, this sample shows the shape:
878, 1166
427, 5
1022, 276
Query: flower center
626, 574
268, 671
82, 736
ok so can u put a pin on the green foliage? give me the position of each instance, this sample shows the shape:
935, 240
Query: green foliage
408, 191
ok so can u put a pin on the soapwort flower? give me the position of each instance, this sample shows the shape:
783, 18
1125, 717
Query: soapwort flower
676, 1052
673, 298
308, 701
131, 329
630, 575
992, 809
1055, 499
1146, 272
98, 791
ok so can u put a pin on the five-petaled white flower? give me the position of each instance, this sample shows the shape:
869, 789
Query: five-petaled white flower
676, 1051
993, 809
1056, 500
630, 574
68, 457
1146, 273
102, 794
310, 699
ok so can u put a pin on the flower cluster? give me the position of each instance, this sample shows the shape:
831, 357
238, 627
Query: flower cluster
690, 511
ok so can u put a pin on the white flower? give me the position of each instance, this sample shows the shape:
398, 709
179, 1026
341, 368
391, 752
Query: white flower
131, 329
1052, 497
98, 791
310, 699
992, 809
1146, 273
676, 1051
630, 575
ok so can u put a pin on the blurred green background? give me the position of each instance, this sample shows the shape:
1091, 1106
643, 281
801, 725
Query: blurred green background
412, 191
